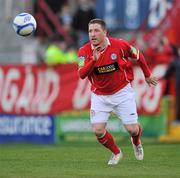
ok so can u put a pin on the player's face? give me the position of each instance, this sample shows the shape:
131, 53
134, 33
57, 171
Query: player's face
97, 34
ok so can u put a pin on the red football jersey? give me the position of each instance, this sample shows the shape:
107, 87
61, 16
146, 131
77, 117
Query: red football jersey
113, 69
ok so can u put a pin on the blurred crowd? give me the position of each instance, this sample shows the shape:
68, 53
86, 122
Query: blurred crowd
156, 47
55, 49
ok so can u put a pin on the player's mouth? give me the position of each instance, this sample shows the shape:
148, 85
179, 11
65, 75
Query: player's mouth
93, 39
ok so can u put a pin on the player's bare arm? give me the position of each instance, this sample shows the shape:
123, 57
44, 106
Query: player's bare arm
152, 80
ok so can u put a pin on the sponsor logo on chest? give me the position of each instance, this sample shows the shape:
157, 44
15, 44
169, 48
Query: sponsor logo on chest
106, 68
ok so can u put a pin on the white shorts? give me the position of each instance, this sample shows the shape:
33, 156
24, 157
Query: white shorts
122, 103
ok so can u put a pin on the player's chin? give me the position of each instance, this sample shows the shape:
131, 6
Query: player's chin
94, 43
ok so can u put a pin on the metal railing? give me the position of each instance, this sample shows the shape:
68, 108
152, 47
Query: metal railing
45, 15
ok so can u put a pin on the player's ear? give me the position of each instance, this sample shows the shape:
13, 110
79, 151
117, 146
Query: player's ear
107, 33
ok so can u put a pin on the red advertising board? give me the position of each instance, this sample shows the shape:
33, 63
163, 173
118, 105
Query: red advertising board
41, 90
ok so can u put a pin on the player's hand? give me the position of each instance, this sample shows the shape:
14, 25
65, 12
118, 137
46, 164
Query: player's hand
96, 53
151, 80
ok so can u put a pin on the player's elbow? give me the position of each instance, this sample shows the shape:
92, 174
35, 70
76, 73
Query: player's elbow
81, 74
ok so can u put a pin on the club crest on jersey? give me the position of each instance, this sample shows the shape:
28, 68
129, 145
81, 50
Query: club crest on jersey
113, 56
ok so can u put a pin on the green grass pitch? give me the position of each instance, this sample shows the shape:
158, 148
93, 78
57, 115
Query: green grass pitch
87, 161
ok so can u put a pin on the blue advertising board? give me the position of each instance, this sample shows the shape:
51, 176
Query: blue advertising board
28, 129
131, 14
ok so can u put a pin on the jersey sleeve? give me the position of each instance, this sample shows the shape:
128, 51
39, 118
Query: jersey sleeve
128, 50
81, 57
85, 63
135, 54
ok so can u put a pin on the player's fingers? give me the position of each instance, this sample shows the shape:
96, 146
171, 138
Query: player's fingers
154, 81
97, 48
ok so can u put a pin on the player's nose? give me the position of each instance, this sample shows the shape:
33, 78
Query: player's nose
92, 33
